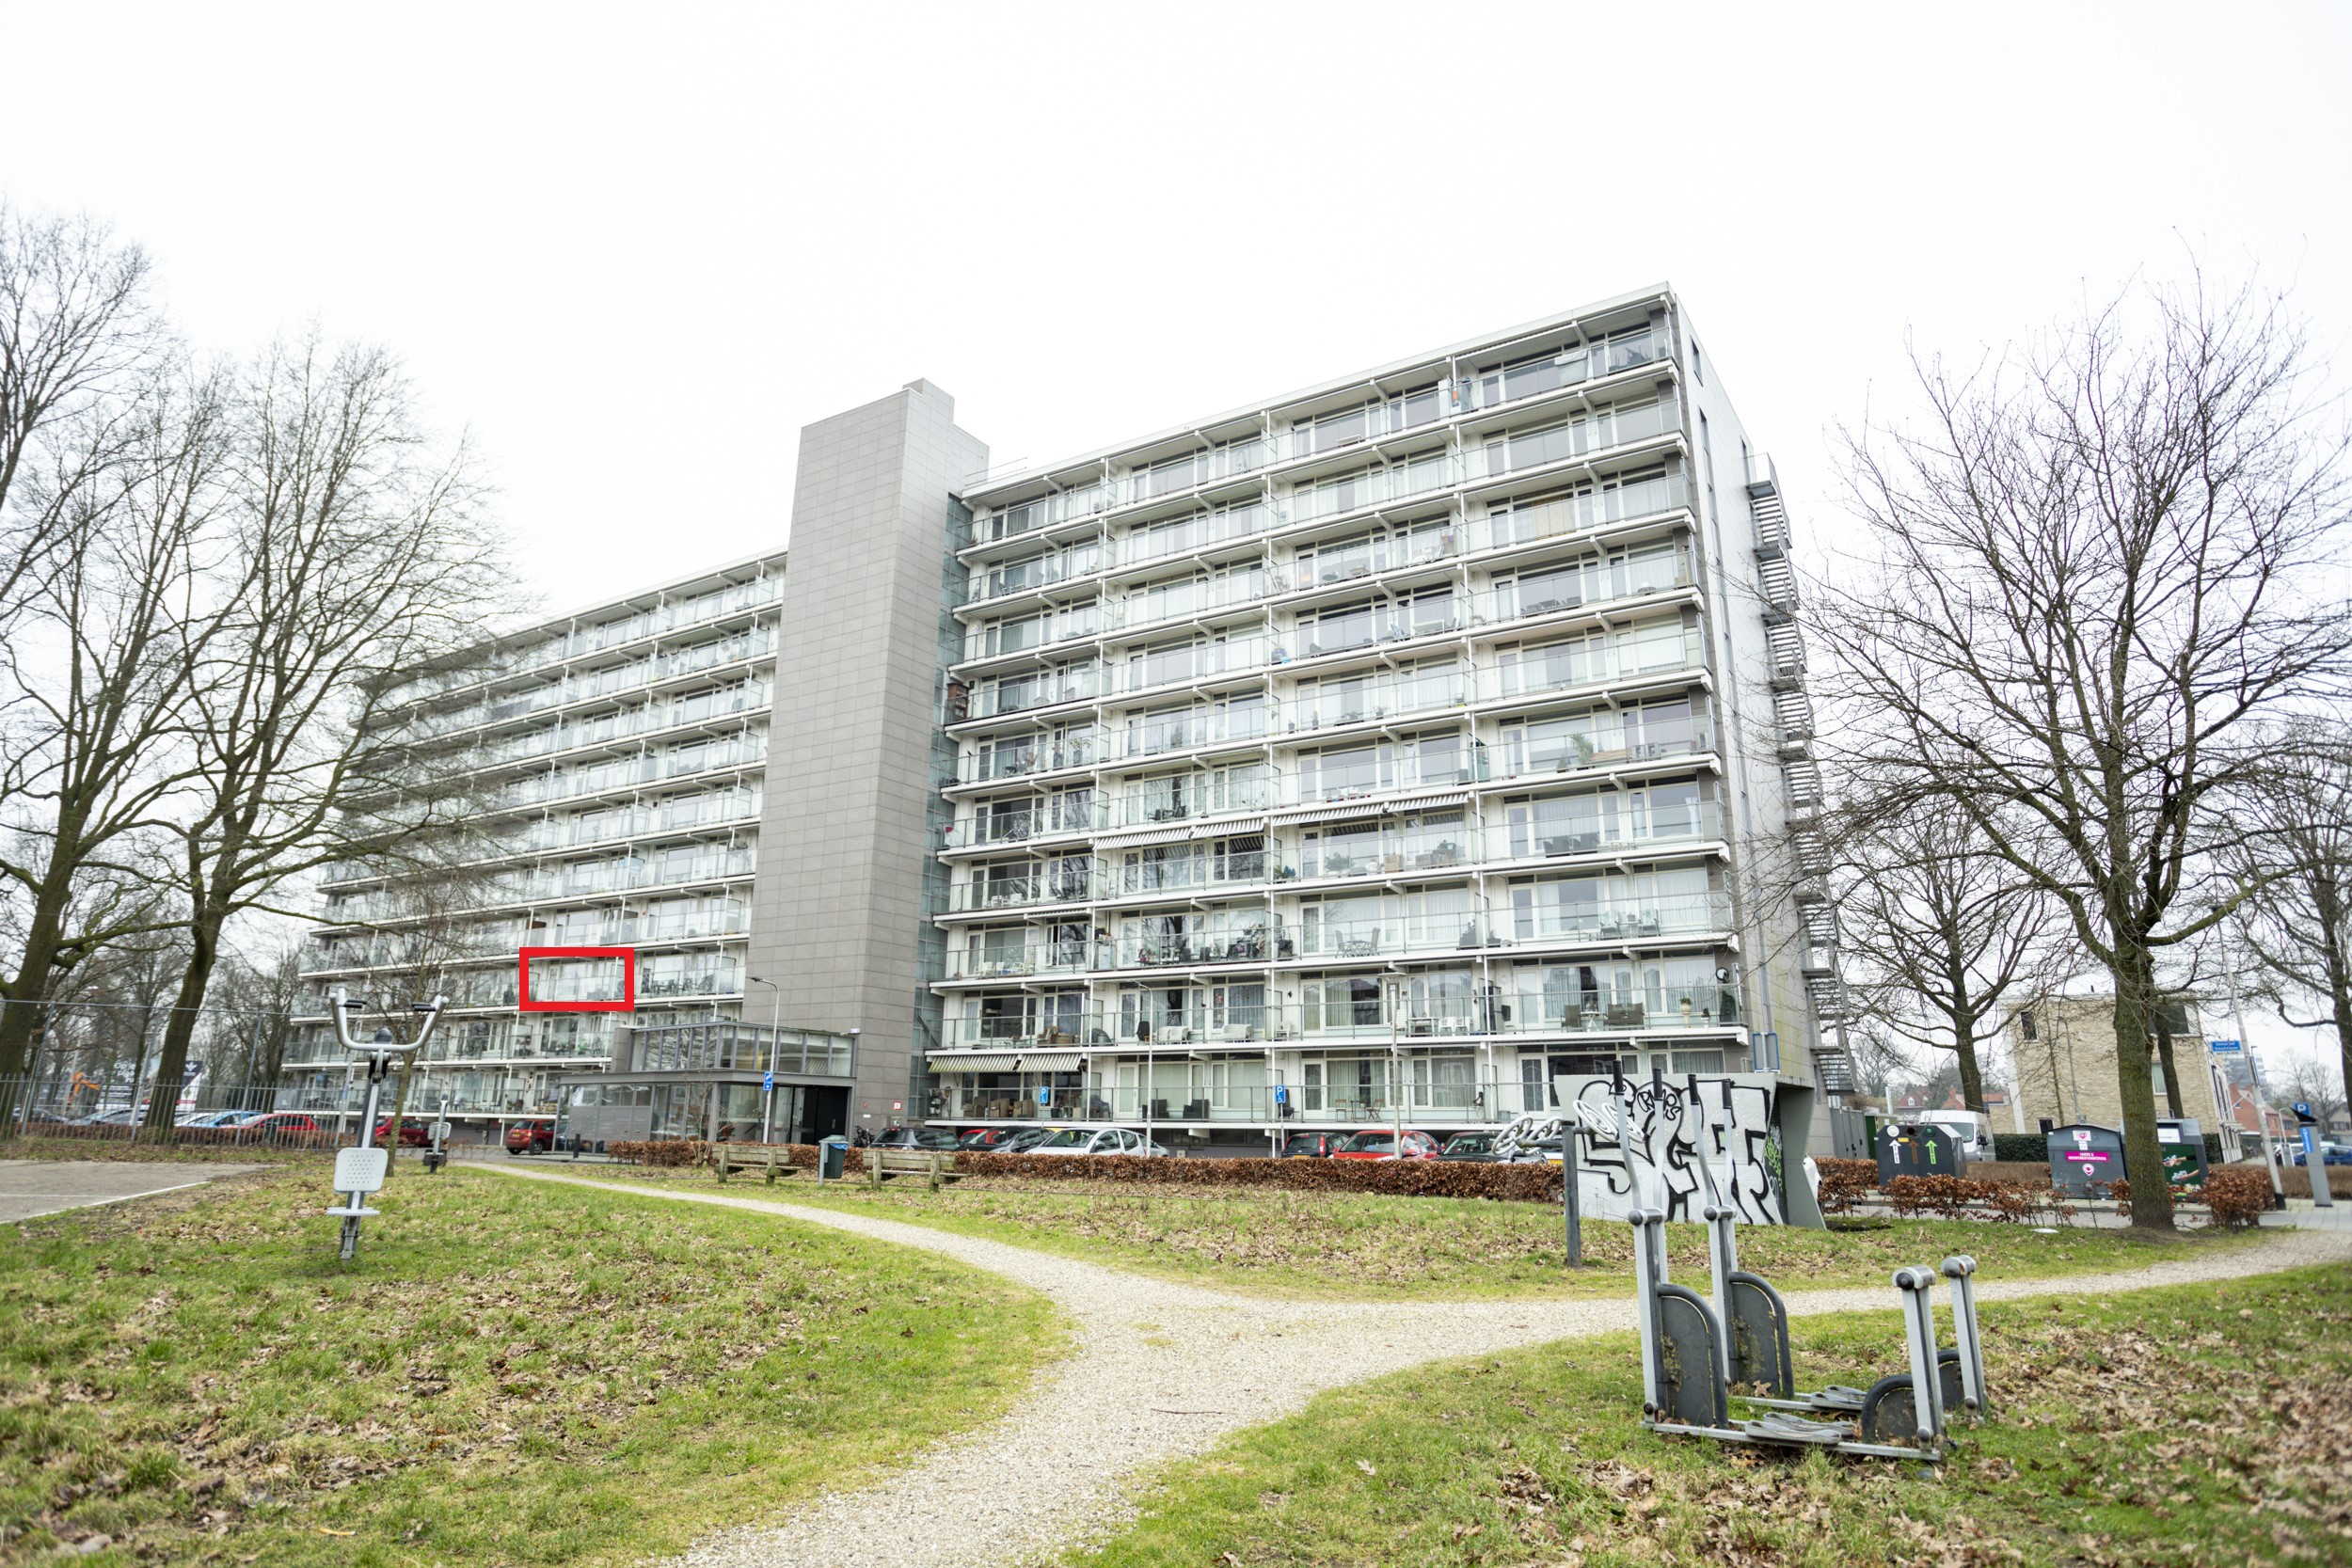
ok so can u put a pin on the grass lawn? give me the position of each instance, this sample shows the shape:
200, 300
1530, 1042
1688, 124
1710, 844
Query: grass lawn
1365, 1246
2196, 1425
512, 1372
124, 1150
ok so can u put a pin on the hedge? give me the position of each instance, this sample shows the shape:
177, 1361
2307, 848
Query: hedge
1524, 1184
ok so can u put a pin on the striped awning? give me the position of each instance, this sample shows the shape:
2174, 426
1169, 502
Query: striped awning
1155, 835
973, 1061
1049, 1061
1329, 814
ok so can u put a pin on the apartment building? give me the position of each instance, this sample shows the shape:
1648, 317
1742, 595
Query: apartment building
1373, 753
618, 758
1378, 752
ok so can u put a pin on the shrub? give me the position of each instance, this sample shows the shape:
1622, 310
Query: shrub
2023, 1147
662, 1151
1952, 1197
1527, 1183
2238, 1196
1845, 1182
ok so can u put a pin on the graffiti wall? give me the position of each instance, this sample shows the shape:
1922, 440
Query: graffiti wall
1665, 1145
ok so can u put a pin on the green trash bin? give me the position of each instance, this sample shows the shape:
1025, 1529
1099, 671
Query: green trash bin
832, 1158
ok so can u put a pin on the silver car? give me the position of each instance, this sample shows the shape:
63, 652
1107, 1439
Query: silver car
1099, 1140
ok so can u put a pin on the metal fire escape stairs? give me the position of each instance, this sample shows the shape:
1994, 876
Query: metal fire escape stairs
1800, 774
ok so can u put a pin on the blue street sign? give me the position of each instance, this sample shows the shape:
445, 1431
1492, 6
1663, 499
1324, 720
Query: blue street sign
1281, 1095
2303, 1109
768, 1081
1044, 1094
2225, 1048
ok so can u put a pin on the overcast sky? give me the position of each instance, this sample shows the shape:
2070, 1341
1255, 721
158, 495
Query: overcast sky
636, 248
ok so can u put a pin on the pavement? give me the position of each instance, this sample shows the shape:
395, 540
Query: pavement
30, 1188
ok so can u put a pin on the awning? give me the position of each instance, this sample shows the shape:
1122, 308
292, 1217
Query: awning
1156, 835
973, 1061
1049, 1061
1329, 813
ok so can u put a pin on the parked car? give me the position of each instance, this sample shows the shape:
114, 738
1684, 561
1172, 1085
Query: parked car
2329, 1154
214, 1119
1099, 1140
1310, 1145
1384, 1144
121, 1115
272, 1125
1478, 1147
915, 1137
992, 1140
413, 1133
535, 1136
1024, 1140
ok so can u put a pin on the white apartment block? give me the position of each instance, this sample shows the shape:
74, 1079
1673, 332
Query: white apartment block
1382, 751
1373, 753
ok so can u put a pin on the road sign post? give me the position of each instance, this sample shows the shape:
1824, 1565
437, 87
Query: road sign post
2314, 1157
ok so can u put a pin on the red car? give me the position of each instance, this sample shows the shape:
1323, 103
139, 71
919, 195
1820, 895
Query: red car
1311, 1146
1383, 1145
530, 1137
272, 1126
413, 1134
987, 1139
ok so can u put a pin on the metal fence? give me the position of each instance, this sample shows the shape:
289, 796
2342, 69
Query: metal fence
76, 1105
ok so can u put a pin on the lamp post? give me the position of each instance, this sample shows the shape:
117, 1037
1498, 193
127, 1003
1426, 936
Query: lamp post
768, 1057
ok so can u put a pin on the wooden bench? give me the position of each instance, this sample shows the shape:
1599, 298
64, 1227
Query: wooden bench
939, 1165
776, 1159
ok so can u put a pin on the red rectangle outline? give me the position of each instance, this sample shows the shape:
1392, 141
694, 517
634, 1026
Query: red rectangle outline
628, 980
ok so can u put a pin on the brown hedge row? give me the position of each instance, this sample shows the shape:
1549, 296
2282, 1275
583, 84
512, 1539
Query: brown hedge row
1527, 1183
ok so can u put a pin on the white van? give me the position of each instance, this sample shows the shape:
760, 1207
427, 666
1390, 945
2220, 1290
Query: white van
1971, 1130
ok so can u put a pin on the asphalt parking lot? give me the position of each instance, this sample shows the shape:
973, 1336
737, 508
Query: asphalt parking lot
29, 1188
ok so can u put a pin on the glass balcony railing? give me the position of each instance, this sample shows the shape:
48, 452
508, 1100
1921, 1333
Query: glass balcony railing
1185, 600
1365, 627
1390, 936
1019, 962
1158, 737
1045, 688
1600, 506
1599, 740
1594, 660
1027, 633
1039, 571
1213, 795
1594, 1012
1357, 701
1515, 452
1668, 915
1590, 825
1160, 541
1044, 820
1414, 476
1044, 886
1569, 368
1369, 558
1204, 874
1392, 851
1020, 759
1392, 417
1366, 769
1576, 586
1146, 670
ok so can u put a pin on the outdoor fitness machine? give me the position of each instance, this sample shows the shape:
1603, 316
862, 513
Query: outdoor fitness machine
1696, 1353
362, 1171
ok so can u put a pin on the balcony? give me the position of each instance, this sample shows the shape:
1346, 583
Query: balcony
1336, 703
1569, 368
1431, 616
1636, 652
1029, 756
1583, 585
1369, 558
1590, 825
1593, 1012
1591, 509
1612, 740
1026, 891
1506, 452
1044, 820
1628, 919
1185, 601
1158, 737
725, 1045
1164, 541
1192, 797
1040, 571
1047, 688
1019, 960
1421, 475
1148, 670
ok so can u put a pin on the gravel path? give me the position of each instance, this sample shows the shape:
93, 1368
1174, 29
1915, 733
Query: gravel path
1163, 1371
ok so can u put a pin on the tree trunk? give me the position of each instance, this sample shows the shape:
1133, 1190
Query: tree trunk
1971, 1075
180, 1031
2134, 973
22, 1014
2171, 1073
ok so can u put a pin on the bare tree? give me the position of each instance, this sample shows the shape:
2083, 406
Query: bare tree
76, 325
251, 1006
2297, 925
94, 678
1938, 926
358, 554
2092, 584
